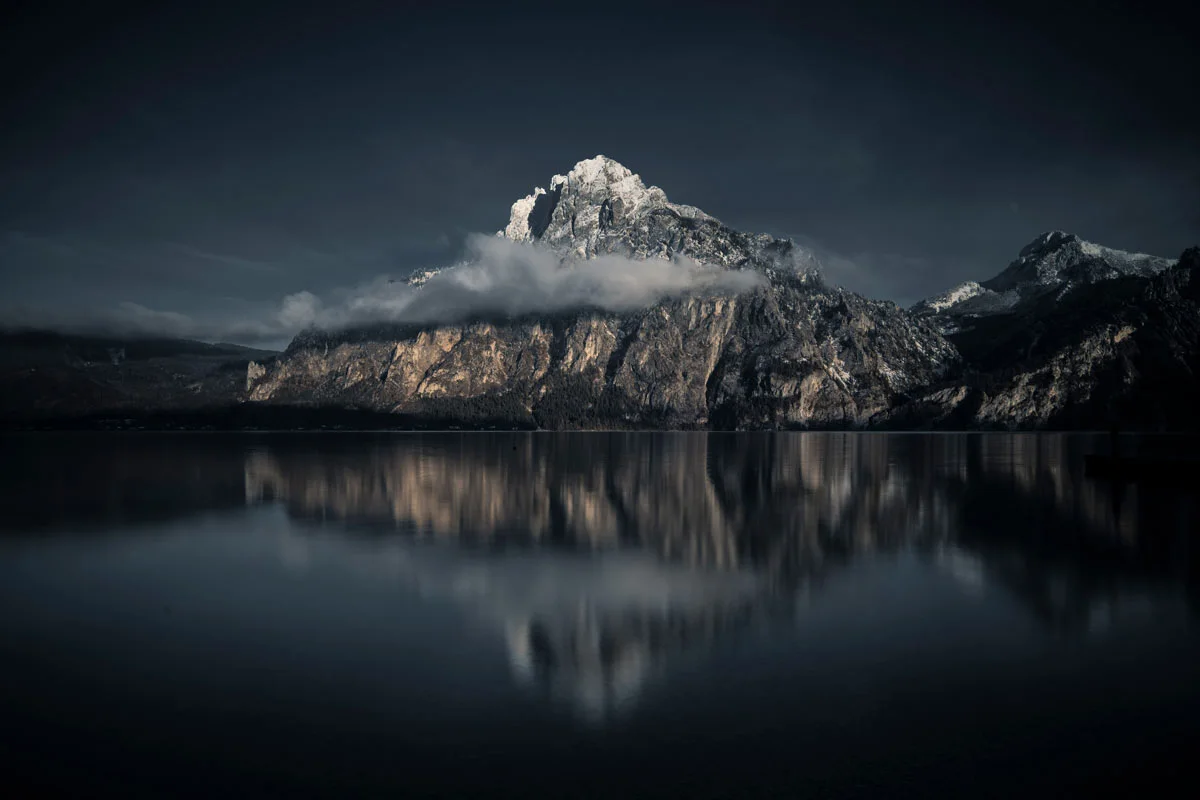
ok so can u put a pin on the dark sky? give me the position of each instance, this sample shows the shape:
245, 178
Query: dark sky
209, 160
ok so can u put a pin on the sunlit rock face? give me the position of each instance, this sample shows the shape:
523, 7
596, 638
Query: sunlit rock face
792, 352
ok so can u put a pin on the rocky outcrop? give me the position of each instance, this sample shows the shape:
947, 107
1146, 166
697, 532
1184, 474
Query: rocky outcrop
254, 371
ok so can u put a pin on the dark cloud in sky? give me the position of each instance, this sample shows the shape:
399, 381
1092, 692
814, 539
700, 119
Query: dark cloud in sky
209, 160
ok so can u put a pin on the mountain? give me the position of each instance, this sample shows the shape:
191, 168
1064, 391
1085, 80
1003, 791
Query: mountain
792, 352
1051, 265
1094, 338
601, 207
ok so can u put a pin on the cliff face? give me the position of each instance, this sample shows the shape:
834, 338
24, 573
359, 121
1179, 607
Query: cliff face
786, 355
793, 352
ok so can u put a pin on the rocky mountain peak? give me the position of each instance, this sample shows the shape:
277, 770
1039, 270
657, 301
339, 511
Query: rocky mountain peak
1055, 262
1056, 257
601, 206
602, 171
598, 194
1046, 243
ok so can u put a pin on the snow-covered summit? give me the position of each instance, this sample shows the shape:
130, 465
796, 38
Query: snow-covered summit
1058, 257
600, 206
1055, 261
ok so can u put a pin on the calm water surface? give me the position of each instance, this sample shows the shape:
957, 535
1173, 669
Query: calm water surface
572, 615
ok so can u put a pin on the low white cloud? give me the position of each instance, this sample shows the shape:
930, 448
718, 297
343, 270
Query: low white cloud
508, 278
498, 278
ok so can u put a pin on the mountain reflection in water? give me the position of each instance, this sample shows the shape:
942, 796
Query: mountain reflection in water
597, 557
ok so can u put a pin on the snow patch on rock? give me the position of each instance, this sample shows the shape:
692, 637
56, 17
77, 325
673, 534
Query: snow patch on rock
959, 294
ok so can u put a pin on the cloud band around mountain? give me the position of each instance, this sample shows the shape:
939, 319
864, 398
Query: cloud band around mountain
498, 278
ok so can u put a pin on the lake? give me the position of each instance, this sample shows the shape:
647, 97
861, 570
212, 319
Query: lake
593, 614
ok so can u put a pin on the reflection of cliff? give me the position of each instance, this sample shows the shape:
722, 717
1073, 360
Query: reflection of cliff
688, 536
685, 537
588, 629
648, 544
1078, 554
599, 661
782, 504
1008, 510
